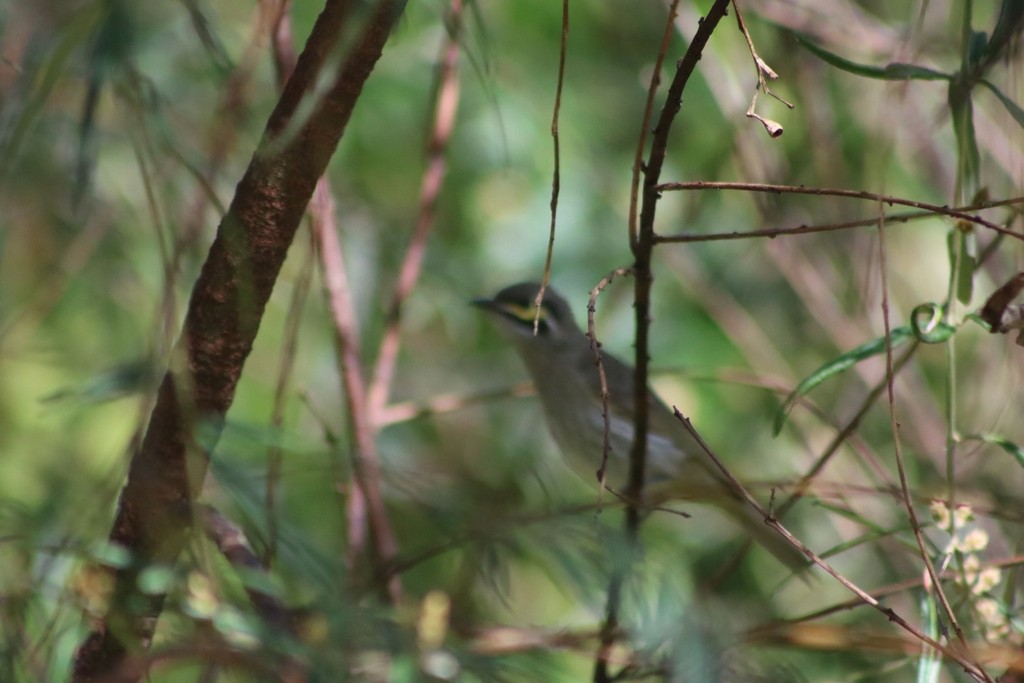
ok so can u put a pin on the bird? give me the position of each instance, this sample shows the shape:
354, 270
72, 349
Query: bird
560, 359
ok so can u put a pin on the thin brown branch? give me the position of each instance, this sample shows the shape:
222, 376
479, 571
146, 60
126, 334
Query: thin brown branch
233, 544
645, 121
832, 192
824, 227
643, 248
447, 403
771, 520
843, 434
223, 317
882, 593
847, 639
277, 15
595, 348
556, 172
506, 640
446, 106
908, 501
366, 510
364, 502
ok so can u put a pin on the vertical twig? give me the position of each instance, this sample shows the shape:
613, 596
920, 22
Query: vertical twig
445, 107
234, 545
365, 500
645, 122
643, 247
556, 174
276, 14
908, 500
595, 348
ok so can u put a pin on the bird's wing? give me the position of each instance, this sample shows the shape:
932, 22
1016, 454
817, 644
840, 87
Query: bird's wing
669, 445
679, 462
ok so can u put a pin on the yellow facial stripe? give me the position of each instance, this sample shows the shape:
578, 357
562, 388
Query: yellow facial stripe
525, 312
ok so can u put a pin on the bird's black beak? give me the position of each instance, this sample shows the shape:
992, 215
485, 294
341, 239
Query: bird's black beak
486, 304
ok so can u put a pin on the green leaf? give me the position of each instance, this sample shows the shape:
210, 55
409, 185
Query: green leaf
1015, 111
898, 337
1010, 447
929, 664
963, 257
1008, 25
977, 51
928, 325
968, 158
895, 71
979, 321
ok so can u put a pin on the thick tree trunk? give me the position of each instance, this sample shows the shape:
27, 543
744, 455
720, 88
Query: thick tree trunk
227, 303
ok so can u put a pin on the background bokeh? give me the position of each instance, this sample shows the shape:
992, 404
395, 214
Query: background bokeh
124, 128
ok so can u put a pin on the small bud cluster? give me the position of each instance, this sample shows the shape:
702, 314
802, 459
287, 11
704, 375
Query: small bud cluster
975, 581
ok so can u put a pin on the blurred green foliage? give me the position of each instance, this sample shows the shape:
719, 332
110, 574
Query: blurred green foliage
124, 128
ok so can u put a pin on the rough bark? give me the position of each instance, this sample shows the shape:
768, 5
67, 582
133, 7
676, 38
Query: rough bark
166, 473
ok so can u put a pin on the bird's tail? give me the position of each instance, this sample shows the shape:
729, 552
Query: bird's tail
697, 488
